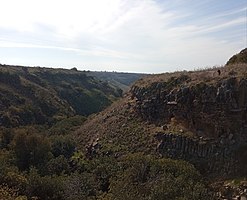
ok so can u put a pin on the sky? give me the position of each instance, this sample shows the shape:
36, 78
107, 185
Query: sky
151, 36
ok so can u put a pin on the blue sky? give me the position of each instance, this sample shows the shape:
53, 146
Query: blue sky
122, 35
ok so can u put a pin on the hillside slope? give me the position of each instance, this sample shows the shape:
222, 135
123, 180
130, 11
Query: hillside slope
239, 58
118, 79
198, 116
43, 95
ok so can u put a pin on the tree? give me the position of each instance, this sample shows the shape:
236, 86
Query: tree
80, 186
58, 166
45, 187
62, 145
30, 150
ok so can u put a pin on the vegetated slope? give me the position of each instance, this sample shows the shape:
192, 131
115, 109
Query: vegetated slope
239, 58
118, 79
42, 95
197, 116
45, 162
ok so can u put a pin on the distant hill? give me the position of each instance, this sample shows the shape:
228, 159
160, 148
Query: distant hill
44, 95
118, 79
239, 58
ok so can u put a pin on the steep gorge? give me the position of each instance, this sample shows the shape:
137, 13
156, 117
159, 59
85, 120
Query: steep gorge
197, 116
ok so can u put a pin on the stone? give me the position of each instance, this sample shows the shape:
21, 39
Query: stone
164, 127
230, 136
243, 197
222, 141
172, 103
183, 144
160, 146
232, 142
160, 136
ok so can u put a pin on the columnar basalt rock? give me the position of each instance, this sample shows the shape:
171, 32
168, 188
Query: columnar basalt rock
216, 156
212, 109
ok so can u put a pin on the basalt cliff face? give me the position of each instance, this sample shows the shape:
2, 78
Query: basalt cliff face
208, 109
197, 116
203, 116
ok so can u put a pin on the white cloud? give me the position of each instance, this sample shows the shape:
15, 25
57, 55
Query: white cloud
68, 16
123, 33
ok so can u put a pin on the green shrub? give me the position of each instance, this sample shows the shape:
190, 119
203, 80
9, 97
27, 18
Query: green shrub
45, 187
58, 166
30, 150
80, 186
67, 125
145, 177
9, 174
7, 193
62, 145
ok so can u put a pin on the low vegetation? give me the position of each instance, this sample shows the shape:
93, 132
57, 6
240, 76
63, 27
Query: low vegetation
45, 96
240, 58
35, 165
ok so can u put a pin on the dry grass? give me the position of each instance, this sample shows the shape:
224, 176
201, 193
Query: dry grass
119, 129
198, 75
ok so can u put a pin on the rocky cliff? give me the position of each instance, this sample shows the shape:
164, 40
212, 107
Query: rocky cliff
197, 116
209, 109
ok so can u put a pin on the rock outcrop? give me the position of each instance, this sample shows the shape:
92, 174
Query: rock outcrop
212, 110
241, 57
215, 112
207, 155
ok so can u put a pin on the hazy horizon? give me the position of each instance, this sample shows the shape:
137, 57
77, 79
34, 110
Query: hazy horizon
150, 36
